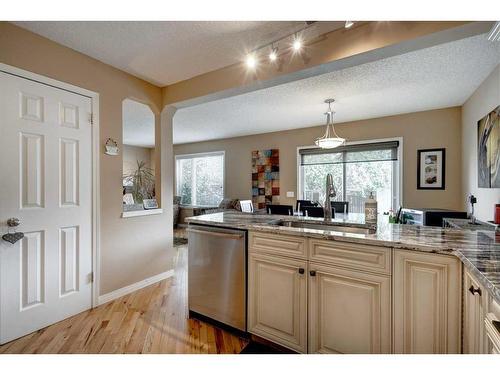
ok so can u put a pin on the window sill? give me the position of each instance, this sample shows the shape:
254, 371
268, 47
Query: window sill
155, 211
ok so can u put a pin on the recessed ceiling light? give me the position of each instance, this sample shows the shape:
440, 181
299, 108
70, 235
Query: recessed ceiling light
251, 61
348, 24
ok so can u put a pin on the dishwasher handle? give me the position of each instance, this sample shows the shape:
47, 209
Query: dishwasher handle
217, 234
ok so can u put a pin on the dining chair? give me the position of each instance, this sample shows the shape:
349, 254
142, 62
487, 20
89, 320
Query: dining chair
279, 209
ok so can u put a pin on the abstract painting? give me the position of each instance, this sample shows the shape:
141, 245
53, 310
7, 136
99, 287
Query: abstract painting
488, 150
265, 178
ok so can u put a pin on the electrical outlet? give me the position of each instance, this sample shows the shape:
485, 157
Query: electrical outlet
290, 194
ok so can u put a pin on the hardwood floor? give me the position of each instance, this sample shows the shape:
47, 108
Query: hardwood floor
151, 320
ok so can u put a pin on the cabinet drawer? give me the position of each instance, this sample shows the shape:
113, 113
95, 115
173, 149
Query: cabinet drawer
360, 257
277, 244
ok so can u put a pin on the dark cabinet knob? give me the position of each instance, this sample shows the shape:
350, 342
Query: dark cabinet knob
312, 273
301, 271
475, 290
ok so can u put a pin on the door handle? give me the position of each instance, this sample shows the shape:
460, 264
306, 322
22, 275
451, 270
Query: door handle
475, 290
216, 234
13, 222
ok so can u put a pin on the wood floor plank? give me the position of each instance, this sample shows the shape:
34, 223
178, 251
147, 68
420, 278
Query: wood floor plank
151, 320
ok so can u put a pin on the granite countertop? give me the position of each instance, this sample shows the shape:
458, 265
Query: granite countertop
466, 224
479, 251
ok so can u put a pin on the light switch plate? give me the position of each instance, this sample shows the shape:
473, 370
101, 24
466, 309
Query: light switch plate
290, 194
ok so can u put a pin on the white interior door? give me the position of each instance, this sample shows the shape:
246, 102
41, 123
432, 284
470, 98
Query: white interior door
45, 182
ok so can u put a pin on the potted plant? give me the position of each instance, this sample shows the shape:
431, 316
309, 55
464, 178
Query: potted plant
142, 181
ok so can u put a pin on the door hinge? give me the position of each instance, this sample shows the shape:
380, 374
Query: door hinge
91, 118
92, 277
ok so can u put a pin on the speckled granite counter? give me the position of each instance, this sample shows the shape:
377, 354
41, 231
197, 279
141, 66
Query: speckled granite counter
479, 251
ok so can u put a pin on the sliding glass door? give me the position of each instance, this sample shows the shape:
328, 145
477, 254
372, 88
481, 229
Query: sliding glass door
357, 171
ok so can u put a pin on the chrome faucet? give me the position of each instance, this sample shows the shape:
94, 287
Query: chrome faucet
330, 193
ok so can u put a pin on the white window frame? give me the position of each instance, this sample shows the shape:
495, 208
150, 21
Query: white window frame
399, 185
201, 155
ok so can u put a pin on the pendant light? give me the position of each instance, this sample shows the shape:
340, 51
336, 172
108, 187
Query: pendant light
330, 139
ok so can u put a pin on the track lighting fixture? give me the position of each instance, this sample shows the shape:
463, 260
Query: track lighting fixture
294, 43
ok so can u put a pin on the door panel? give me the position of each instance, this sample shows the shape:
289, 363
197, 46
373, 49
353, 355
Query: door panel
474, 336
277, 306
45, 180
349, 311
427, 293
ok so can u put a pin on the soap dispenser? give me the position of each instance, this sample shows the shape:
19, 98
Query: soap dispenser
371, 210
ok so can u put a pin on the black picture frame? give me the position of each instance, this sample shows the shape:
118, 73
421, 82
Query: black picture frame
442, 151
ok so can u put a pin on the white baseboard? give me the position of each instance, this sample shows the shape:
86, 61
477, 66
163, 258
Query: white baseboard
133, 287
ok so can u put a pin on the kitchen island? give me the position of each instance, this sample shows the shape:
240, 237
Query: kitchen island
353, 288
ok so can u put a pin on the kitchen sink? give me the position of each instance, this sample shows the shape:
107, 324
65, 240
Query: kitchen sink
325, 226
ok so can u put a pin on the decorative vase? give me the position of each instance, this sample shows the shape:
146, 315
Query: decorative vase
371, 210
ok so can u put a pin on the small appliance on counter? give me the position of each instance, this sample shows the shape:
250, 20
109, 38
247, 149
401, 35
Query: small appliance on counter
432, 217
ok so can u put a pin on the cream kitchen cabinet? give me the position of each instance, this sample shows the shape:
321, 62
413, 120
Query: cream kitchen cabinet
277, 300
349, 311
492, 328
427, 302
475, 303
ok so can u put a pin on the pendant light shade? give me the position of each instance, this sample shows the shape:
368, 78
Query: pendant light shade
330, 139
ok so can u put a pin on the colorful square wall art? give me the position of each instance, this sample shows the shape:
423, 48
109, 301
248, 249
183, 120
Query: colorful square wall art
265, 178
488, 150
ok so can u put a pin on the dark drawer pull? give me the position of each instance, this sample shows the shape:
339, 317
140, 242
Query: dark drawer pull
475, 290
312, 273
301, 271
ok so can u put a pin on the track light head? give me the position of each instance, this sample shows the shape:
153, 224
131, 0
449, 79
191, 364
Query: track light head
251, 61
297, 44
273, 55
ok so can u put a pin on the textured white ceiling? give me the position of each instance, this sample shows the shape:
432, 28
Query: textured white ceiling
138, 124
168, 51
437, 77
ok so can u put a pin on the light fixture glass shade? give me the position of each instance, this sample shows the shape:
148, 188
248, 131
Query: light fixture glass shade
330, 139
329, 142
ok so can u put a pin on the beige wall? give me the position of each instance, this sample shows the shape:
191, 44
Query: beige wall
484, 99
132, 154
131, 249
430, 129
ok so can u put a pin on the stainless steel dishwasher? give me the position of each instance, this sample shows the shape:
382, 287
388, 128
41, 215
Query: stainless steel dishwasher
217, 274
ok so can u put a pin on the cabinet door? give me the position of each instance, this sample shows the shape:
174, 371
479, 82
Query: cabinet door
349, 311
426, 295
474, 336
277, 305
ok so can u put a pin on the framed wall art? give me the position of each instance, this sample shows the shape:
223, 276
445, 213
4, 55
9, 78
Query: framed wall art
488, 150
265, 178
431, 168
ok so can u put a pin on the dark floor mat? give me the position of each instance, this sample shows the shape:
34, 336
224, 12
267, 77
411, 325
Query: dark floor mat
258, 348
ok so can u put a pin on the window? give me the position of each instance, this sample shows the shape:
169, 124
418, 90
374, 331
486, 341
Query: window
200, 178
357, 170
